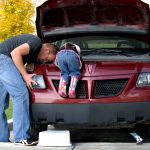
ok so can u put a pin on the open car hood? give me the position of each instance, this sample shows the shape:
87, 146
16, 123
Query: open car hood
57, 19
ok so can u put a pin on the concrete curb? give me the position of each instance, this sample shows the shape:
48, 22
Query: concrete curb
10, 124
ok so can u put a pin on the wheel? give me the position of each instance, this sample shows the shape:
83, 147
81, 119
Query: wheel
35, 128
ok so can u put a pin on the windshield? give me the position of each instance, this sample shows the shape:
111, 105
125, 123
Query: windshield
97, 46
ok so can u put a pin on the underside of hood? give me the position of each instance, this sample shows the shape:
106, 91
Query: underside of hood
57, 18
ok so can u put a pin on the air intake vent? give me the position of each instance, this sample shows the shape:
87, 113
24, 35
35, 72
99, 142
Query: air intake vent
80, 90
108, 88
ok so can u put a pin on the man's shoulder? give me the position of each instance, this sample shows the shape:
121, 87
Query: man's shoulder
27, 36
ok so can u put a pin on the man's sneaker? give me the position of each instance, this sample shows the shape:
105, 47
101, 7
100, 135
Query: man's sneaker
26, 143
139, 140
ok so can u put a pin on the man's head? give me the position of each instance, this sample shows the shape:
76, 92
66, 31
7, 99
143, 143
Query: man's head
47, 53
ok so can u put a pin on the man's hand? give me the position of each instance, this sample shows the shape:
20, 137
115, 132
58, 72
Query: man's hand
29, 81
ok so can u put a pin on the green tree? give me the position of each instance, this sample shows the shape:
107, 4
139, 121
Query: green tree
15, 18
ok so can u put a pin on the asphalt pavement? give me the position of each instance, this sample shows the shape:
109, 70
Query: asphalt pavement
81, 146
78, 145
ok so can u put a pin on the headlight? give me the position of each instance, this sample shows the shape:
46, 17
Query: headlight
40, 82
143, 80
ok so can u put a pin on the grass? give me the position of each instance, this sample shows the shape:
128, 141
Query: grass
9, 110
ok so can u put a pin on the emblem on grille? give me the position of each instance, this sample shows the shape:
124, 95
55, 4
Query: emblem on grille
90, 68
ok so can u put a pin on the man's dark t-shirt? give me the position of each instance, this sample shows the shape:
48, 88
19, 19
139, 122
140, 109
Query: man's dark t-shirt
34, 42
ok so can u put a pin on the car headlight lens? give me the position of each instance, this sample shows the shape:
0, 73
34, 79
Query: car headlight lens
40, 82
143, 80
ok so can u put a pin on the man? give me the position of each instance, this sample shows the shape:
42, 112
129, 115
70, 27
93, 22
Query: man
14, 80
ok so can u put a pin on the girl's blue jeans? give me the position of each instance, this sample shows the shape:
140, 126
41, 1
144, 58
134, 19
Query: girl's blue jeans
68, 63
11, 83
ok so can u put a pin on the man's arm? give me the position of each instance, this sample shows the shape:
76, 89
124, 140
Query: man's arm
17, 57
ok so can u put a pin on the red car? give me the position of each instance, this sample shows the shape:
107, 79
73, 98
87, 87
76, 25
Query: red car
114, 89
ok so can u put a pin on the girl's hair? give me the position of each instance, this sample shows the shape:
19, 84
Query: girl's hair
71, 46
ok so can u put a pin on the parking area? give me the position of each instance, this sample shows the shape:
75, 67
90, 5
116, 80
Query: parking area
81, 146
93, 140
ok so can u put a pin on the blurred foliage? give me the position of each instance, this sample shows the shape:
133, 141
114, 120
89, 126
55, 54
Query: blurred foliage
9, 110
15, 18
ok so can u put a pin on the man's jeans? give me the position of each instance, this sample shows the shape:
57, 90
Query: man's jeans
68, 62
11, 83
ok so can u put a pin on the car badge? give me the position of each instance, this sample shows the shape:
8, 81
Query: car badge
90, 68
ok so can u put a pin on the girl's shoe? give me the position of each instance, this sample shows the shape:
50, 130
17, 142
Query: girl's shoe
62, 94
72, 94
62, 88
72, 87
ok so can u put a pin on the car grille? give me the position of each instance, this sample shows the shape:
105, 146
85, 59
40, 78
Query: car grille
102, 88
80, 90
107, 88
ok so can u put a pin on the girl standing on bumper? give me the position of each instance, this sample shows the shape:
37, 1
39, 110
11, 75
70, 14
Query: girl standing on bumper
69, 62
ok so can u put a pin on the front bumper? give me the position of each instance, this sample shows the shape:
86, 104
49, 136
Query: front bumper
92, 114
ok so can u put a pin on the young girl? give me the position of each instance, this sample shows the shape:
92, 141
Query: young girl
69, 62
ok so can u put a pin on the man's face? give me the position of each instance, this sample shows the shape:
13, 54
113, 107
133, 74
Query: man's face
45, 55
